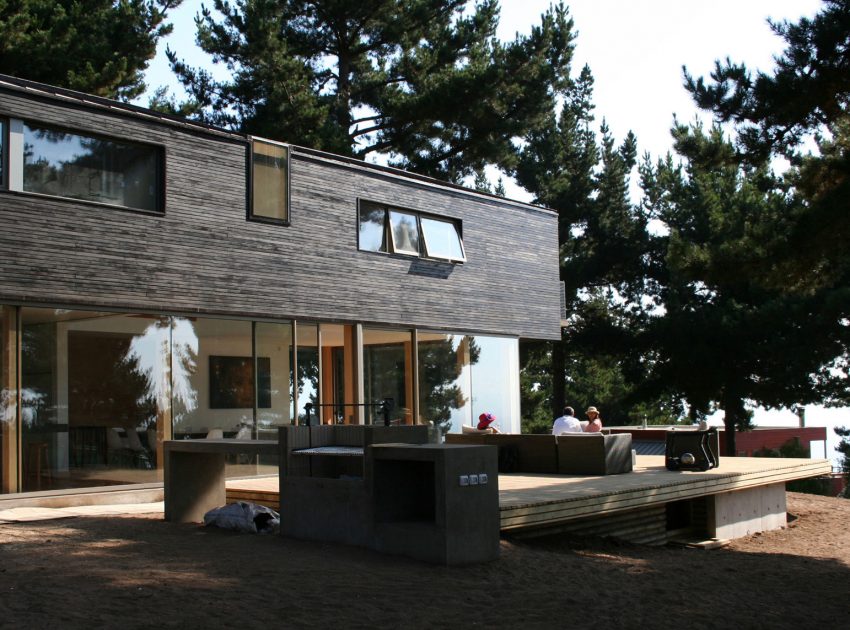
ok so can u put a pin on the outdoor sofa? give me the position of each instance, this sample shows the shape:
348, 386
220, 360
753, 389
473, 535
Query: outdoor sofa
568, 454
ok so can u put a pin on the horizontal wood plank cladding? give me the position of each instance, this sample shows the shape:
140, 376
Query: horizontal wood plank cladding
203, 256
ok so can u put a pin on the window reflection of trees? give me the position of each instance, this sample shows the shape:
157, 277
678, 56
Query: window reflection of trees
89, 168
405, 232
167, 377
308, 381
111, 390
441, 367
373, 236
384, 379
38, 392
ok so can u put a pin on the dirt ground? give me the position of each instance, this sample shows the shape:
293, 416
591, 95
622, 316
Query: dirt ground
142, 572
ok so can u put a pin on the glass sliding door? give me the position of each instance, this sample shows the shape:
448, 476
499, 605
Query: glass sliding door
214, 379
96, 393
307, 377
388, 375
495, 381
444, 379
274, 368
338, 375
89, 397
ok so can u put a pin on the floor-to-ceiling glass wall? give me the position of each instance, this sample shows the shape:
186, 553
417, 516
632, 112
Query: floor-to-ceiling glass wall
101, 391
274, 368
495, 380
307, 377
95, 396
338, 374
444, 379
463, 376
232, 379
213, 379
388, 375
88, 397
275, 396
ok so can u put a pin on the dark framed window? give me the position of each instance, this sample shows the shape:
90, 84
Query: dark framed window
92, 168
269, 182
400, 231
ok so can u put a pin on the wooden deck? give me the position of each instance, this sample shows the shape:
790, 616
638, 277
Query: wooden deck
529, 502
632, 503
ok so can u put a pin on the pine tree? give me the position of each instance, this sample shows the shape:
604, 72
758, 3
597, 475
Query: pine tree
722, 337
791, 261
803, 102
423, 81
602, 237
99, 47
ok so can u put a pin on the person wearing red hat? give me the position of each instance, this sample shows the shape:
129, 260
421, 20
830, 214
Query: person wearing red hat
485, 421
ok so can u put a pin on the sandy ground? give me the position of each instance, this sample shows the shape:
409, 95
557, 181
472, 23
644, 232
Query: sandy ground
137, 571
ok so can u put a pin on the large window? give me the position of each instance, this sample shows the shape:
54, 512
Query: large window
396, 231
269, 182
445, 387
495, 380
95, 398
307, 378
91, 168
388, 375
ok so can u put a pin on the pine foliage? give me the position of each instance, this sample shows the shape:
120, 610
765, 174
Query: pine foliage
99, 47
425, 82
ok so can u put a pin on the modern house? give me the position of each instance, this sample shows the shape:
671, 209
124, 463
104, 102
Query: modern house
163, 279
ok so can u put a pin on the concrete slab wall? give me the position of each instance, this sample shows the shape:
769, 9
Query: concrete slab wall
747, 511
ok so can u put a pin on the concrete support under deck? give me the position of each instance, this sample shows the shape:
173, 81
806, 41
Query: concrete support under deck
747, 511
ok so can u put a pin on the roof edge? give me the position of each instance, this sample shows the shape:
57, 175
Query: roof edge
99, 102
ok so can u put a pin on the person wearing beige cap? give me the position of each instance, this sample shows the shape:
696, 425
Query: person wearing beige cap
594, 424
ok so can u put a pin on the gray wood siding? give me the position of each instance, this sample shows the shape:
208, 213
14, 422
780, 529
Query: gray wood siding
203, 256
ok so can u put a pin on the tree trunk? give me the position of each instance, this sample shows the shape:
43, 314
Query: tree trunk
734, 414
342, 106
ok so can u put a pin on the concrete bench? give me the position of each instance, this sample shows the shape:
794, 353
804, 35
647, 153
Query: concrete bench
193, 474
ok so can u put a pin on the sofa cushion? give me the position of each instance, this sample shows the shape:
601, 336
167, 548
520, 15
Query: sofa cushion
594, 453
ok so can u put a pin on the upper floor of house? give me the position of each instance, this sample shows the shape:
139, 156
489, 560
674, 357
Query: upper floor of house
114, 205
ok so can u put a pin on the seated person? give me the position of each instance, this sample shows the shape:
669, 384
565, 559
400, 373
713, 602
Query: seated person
568, 423
485, 421
594, 424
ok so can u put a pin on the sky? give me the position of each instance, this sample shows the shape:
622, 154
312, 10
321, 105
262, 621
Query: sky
635, 50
